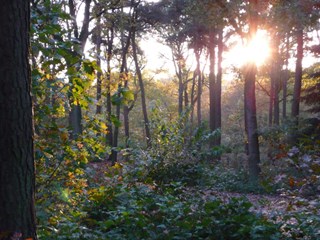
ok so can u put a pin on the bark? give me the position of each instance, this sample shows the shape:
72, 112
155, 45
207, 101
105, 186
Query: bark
250, 102
178, 62
109, 135
212, 80
277, 81
199, 92
251, 119
75, 114
217, 90
285, 80
143, 95
297, 88
99, 81
298, 76
123, 77
17, 179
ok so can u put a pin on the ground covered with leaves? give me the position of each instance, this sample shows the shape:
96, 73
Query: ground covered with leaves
173, 190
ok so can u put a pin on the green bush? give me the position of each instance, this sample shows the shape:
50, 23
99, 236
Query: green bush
140, 212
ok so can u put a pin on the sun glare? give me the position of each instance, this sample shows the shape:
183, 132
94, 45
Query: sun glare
257, 51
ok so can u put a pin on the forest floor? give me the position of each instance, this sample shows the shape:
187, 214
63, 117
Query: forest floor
267, 205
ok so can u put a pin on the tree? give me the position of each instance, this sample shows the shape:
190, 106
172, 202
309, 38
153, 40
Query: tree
141, 84
75, 114
17, 177
250, 99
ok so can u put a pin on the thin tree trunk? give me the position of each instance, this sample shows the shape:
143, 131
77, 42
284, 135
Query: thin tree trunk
272, 92
98, 49
17, 172
109, 135
298, 76
180, 90
217, 91
143, 95
212, 81
199, 92
123, 77
277, 81
285, 80
75, 114
295, 108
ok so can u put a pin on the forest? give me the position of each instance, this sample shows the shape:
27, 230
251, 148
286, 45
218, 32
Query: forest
160, 119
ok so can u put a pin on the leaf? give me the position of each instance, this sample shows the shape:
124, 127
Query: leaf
115, 121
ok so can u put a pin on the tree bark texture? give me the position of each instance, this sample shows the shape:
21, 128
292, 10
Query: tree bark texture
99, 80
298, 76
217, 90
250, 101
251, 120
199, 94
16, 125
109, 135
295, 107
212, 79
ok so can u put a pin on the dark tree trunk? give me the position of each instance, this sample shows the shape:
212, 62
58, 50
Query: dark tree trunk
212, 80
75, 114
298, 76
98, 49
180, 89
285, 80
250, 102
199, 94
297, 88
272, 92
17, 176
277, 81
217, 90
143, 95
251, 119
109, 135
123, 77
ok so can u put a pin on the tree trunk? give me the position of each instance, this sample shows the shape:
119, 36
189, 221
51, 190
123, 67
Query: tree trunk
75, 114
251, 119
98, 49
109, 135
198, 71
212, 81
217, 90
123, 77
250, 102
277, 81
285, 80
298, 76
272, 92
143, 95
17, 176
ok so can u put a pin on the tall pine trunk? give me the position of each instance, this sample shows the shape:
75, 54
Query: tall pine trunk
199, 92
295, 107
250, 102
217, 90
212, 80
143, 95
110, 37
17, 176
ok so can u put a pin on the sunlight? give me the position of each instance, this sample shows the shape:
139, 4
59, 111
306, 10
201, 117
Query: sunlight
257, 51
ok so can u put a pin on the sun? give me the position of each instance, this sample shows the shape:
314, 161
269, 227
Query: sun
257, 51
